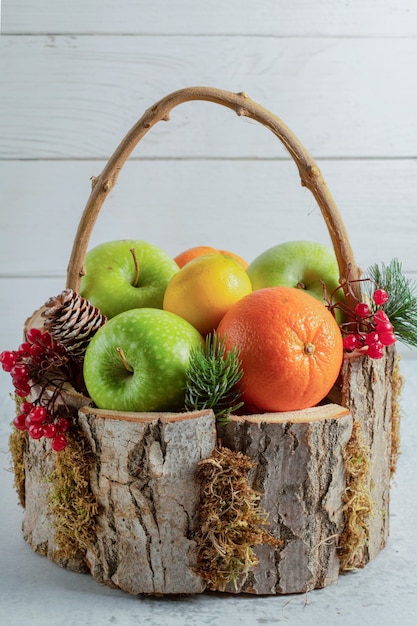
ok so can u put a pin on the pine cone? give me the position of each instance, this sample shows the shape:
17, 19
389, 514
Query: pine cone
72, 320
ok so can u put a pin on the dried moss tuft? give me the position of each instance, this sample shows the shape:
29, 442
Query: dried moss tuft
397, 385
18, 444
71, 500
358, 504
231, 522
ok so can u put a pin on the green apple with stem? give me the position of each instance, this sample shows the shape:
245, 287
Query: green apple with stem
126, 274
137, 361
307, 265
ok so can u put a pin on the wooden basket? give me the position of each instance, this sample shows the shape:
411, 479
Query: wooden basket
135, 499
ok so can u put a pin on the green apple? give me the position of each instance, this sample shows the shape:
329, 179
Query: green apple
126, 274
302, 264
137, 361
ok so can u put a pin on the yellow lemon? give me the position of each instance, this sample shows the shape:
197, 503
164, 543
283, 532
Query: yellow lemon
205, 289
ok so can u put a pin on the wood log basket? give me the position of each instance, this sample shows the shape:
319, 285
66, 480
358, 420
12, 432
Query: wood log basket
163, 503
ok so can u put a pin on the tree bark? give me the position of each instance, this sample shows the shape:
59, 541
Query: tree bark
300, 473
39, 523
144, 480
368, 393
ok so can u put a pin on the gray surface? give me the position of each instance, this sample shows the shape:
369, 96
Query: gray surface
36, 592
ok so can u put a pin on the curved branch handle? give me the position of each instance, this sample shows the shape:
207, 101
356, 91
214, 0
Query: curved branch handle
310, 175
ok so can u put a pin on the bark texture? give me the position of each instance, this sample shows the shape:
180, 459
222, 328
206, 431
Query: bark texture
144, 480
368, 393
300, 473
38, 520
39, 523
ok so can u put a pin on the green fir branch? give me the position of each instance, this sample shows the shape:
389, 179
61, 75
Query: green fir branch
213, 379
401, 307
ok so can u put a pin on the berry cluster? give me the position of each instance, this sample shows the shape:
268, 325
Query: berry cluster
39, 422
371, 329
39, 360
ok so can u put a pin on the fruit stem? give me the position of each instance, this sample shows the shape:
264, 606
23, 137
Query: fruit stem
309, 349
124, 360
135, 261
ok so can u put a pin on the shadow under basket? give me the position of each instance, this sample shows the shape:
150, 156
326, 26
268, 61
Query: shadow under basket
175, 503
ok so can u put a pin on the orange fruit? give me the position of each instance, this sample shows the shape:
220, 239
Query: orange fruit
192, 253
290, 346
205, 288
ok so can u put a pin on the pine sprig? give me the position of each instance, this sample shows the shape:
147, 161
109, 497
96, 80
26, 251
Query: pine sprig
401, 307
212, 379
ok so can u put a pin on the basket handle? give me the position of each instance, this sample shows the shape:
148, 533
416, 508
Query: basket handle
310, 175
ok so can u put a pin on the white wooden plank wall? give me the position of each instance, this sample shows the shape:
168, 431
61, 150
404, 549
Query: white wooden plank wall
75, 76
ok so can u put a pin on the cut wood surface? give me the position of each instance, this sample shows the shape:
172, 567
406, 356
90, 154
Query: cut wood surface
299, 471
303, 416
144, 480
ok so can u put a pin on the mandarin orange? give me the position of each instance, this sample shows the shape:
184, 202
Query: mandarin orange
184, 257
290, 346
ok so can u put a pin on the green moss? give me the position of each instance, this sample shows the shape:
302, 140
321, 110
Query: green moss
231, 522
358, 505
18, 444
71, 500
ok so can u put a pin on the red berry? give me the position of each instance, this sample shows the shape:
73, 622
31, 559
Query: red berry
62, 424
46, 339
49, 430
362, 309
38, 414
380, 316
380, 297
382, 327
58, 443
387, 338
24, 348
20, 372
33, 334
376, 350
8, 360
36, 350
35, 431
22, 390
25, 408
371, 338
60, 349
351, 342
19, 422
